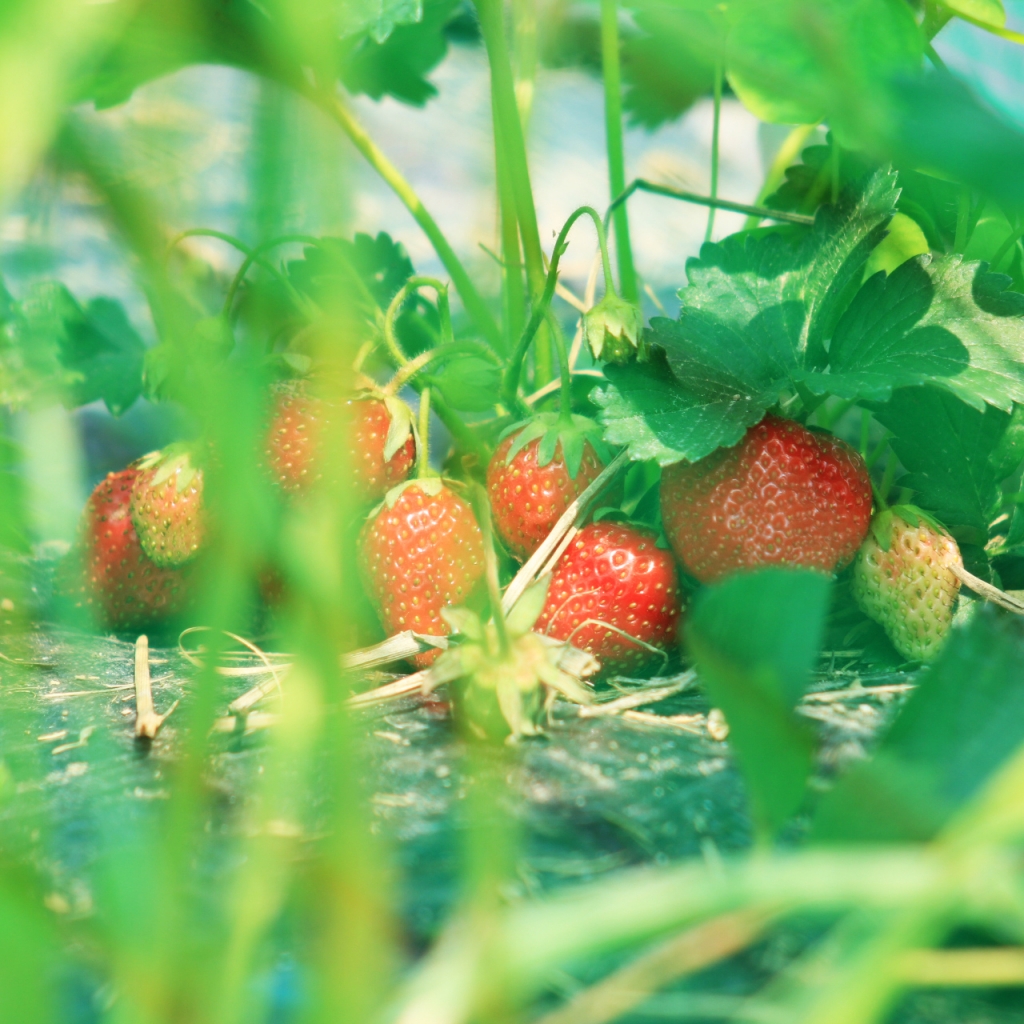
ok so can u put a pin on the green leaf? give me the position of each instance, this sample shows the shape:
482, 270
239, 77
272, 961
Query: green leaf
755, 638
941, 321
904, 241
667, 64
795, 63
946, 446
755, 316
398, 66
965, 719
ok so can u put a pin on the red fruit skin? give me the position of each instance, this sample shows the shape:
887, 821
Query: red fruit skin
618, 575
118, 583
295, 438
527, 499
423, 553
783, 495
169, 522
371, 475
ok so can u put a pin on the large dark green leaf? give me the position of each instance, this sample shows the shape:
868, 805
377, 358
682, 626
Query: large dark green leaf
948, 449
755, 638
964, 721
941, 321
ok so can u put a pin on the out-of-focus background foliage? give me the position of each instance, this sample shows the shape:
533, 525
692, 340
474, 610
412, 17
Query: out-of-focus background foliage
353, 867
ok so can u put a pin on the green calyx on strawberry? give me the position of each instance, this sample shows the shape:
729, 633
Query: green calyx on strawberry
538, 469
613, 329
167, 506
904, 580
108, 573
505, 687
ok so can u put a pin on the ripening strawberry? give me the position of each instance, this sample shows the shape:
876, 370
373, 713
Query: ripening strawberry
419, 552
167, 507
115, 579
784, 495
530, 484
904, 581
612, 592
381, 448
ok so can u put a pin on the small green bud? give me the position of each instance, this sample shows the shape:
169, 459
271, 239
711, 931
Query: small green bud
613, 330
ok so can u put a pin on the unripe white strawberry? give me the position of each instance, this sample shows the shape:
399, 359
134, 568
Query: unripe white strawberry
903, 579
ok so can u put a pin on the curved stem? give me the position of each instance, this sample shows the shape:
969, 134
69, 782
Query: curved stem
510, 383
613, 134
254, 256
413, 366
475, 305
391, 339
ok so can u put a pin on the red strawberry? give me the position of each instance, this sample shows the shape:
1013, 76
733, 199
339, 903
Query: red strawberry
122, 587
167, 507
535, 474
381, 448
612, 591
784, 494
420, 551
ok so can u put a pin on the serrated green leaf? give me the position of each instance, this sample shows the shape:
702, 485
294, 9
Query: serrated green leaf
948, 740
412, 46
942, 321
755, 638
946, 446
754, 318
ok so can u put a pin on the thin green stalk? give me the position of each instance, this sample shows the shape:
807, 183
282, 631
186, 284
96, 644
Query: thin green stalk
514, 293
788, 152
1010, 242
255, 256
524, 16
510, 382
513, 148
506, 111
616, 154
423, 441
715, 130
761, 212
963, 220
475, 305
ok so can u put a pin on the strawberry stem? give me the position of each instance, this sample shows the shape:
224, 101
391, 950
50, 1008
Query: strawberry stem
483, 512
423, 437
882, 492
444, 312
253, 256
510, 383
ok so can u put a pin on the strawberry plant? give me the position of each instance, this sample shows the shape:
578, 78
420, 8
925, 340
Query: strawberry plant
693, 583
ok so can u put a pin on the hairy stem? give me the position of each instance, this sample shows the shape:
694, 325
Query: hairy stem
390, 338
510, 383
616, 153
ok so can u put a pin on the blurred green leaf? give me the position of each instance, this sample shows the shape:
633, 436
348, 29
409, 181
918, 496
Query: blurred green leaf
946, 446
398, 66
988, 12
469, 383
965, 719
794, 60
755, 638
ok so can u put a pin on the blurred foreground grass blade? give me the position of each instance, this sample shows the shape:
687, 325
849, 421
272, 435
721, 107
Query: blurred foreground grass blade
29, 950
755, 638
963, 723
43, 45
